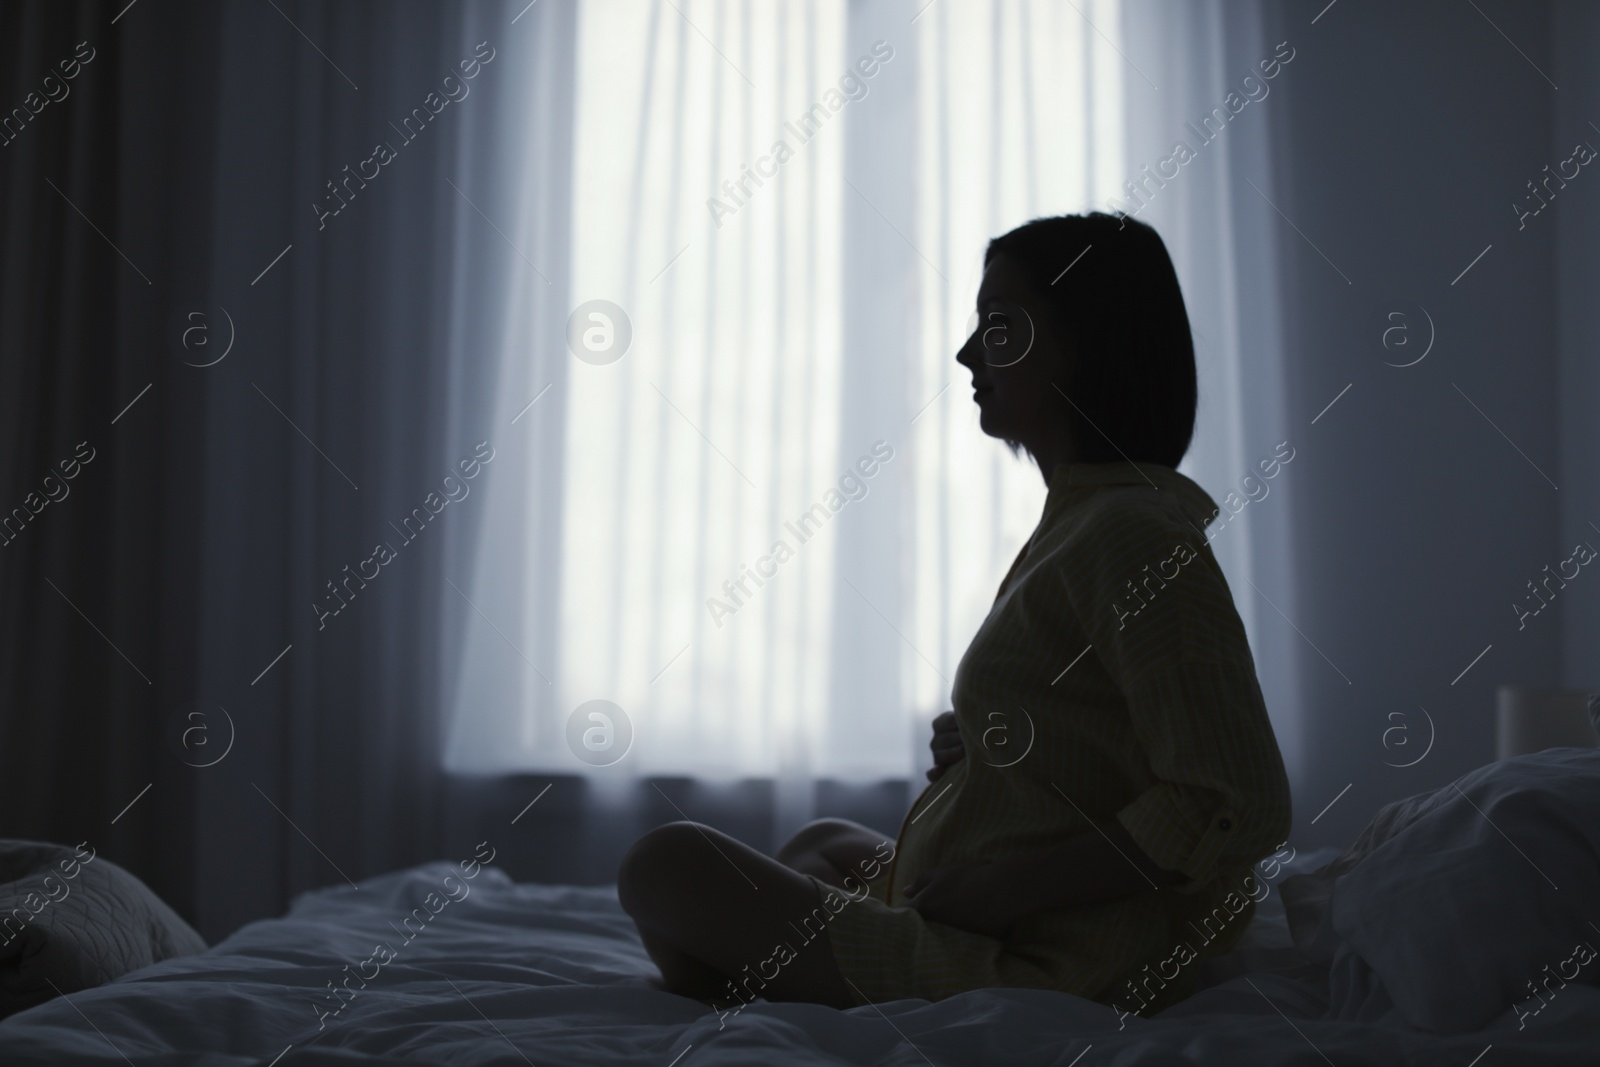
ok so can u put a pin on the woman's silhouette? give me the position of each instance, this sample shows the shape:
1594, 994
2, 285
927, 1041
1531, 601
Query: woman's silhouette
1108, 776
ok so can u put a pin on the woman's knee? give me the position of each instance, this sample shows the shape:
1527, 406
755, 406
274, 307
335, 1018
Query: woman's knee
653, 861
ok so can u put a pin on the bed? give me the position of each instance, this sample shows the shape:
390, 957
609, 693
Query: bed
1413, 946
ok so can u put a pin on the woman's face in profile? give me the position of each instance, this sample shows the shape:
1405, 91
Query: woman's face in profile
1019, 358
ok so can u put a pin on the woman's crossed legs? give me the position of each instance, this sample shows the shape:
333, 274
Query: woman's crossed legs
712, 911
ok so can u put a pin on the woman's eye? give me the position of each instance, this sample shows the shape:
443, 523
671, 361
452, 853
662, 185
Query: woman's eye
994, 330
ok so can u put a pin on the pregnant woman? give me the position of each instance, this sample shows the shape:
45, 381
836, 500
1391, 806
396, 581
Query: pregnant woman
1108, 776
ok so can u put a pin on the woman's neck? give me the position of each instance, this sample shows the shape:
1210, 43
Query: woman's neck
1051, 456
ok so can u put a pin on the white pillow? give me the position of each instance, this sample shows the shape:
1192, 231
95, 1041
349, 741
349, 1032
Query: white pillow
70, 919
1451, 905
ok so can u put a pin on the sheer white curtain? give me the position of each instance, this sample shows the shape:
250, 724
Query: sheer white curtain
767, 529
1212, 76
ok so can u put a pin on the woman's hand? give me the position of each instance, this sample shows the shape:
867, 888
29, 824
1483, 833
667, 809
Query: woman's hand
946, 744
966, 896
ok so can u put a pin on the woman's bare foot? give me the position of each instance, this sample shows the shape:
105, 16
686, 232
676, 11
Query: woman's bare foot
835, 850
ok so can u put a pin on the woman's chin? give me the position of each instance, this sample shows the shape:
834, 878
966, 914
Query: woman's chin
990, 423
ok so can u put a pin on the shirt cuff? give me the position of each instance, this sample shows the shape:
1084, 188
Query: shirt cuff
1161, 821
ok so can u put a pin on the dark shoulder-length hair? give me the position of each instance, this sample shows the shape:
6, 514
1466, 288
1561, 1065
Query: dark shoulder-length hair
1133, 385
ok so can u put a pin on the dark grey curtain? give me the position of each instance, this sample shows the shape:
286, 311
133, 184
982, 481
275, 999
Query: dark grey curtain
363, 360
164, 607
105, 191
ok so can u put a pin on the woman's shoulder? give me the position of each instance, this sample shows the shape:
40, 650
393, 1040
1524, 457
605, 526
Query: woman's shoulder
1130, 516
1119, 534
1128, 495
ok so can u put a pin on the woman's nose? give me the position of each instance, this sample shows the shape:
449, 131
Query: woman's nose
967, 355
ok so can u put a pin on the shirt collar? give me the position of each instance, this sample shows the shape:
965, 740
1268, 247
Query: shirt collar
1072, 480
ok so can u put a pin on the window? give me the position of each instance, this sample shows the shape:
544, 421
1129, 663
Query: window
779, 524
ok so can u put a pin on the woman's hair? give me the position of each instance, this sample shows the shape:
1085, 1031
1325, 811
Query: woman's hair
1133, 382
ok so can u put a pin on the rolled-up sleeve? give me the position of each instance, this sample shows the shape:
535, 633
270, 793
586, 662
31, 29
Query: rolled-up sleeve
1221, 799
1162, 621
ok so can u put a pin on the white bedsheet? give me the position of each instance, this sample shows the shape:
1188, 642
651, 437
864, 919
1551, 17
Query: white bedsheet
552, 975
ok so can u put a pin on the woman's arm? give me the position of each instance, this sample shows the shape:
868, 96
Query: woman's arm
1216, 794
1093, 867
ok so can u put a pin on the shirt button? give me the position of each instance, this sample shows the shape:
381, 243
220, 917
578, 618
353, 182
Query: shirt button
1224, 824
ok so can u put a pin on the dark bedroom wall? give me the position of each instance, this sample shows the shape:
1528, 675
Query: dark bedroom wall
1576, 31
1410, 129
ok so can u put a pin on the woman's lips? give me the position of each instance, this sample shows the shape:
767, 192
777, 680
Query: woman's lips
981, 391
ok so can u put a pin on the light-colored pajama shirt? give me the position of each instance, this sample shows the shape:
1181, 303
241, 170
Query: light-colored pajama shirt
1111, 679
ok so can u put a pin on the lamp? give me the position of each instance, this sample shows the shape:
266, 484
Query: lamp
1531, 720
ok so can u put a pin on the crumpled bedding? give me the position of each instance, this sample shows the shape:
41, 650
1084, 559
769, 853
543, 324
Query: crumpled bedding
1456, 905
71, 920
508, 973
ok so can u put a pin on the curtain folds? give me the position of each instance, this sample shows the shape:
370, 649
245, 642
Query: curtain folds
772, 524
105, 222
353, 437
264, 284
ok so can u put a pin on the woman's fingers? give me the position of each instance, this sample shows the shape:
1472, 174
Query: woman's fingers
945, 743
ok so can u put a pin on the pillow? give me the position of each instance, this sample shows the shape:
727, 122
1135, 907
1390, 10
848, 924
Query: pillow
70, 918
1452, 906
1305, 896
